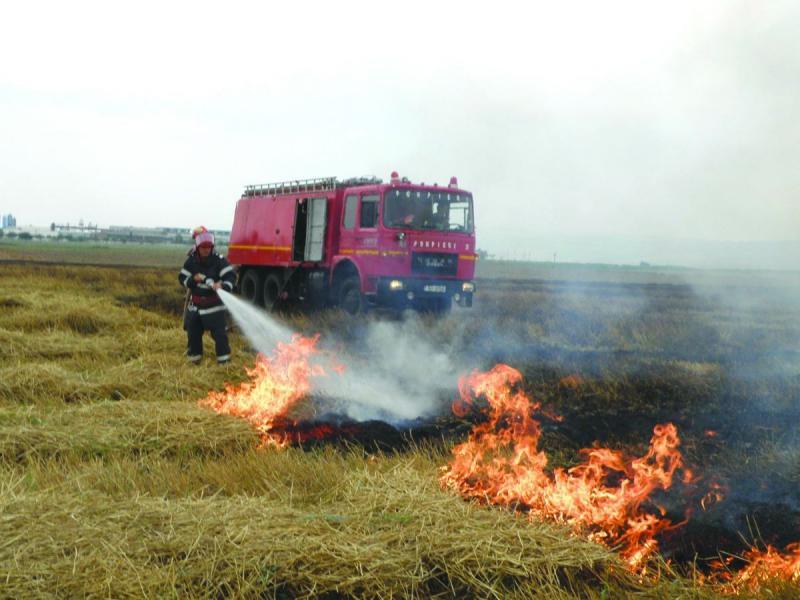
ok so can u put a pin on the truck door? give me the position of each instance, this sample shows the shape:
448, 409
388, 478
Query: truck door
360, 223
366, 236
309, 229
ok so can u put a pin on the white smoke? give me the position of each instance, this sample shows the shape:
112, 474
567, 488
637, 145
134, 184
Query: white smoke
401, 376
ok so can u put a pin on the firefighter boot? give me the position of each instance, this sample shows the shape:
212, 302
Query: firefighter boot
221, 344
194, 334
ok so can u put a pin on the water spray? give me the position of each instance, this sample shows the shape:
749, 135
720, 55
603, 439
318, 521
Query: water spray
393, 384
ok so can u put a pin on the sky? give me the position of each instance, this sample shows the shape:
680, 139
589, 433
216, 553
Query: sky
608, 124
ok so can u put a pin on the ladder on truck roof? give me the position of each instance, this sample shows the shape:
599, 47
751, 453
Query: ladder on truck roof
318, 184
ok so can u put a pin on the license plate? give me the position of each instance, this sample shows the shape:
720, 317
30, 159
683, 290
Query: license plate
439, 289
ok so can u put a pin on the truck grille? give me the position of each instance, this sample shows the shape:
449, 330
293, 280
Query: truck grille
434, 263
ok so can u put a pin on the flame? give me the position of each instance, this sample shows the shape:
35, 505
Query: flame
501, 463
770, 563
762, 566
715, 495
277, 386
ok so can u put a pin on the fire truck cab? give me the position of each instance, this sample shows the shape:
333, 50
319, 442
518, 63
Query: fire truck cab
355, 243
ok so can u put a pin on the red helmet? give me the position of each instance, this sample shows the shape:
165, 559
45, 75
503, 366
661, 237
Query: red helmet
205, 239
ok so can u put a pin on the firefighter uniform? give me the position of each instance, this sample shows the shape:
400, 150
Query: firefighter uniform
205, 311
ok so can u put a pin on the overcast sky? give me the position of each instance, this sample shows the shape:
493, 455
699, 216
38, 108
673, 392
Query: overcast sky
612, 120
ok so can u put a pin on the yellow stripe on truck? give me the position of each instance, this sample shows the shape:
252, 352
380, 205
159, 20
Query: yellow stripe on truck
351, 251
468, 256
243, 247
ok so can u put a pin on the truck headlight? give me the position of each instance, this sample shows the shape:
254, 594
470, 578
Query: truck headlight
396, 285
468, 287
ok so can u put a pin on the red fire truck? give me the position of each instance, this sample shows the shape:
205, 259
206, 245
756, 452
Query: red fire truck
355, 243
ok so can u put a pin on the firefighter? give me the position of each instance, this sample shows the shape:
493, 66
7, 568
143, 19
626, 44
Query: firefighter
203, 273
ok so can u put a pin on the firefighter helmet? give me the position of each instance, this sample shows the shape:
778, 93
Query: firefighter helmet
205, 238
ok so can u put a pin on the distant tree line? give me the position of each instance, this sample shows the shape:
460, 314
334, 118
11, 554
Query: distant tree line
24, 235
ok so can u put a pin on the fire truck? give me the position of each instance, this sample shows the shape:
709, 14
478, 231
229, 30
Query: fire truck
356, 243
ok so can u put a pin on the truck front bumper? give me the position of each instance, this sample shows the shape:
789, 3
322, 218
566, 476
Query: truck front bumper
403, 292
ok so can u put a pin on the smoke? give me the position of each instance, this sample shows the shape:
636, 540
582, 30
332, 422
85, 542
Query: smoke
392, 371
757, 318
397, 376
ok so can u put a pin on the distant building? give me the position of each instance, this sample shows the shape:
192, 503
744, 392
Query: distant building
114, 233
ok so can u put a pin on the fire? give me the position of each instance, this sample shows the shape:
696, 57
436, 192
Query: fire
768, 564
277, 386
715, 495
607, 498
603, 498
762, 566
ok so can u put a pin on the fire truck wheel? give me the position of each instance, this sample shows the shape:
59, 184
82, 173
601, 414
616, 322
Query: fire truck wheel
272, 290
350, 297
251, 287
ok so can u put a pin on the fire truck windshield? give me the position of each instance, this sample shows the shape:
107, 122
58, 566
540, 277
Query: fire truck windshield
427, 209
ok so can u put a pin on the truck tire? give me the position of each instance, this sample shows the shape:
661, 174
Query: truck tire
351, 300
272, 290
251, 287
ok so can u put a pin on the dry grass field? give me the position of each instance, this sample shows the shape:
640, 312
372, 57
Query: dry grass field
115, 483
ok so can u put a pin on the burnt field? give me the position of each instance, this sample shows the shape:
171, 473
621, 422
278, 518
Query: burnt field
720, 361
116, 483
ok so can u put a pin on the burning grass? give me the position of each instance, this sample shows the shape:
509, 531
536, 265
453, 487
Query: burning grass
277, 385
502, 463
115, 483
